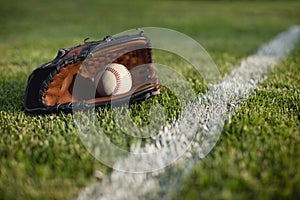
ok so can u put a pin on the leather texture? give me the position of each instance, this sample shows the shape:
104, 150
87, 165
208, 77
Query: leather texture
67, 82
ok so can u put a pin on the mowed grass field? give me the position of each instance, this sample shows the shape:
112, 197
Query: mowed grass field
257, 156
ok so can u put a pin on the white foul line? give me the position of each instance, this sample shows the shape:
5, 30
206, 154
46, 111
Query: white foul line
212, 109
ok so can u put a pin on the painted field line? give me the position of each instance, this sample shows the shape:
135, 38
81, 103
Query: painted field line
211, 111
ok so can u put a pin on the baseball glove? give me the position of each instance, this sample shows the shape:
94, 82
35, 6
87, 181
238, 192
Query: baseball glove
68, 82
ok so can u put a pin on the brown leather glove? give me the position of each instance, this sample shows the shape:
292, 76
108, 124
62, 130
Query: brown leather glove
67, 82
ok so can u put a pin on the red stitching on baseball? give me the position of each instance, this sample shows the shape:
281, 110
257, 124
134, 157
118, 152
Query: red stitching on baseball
116, 73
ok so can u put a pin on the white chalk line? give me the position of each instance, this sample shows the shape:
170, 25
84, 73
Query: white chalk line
211, 111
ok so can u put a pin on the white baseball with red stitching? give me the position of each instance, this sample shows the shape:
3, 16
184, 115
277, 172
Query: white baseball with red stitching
116, 79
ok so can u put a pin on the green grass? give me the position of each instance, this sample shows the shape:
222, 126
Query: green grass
42, 157
257, 156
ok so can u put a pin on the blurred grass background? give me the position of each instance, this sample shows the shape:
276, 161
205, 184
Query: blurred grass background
42, 157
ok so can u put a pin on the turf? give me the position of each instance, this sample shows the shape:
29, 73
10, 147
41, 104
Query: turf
42, 157
257, 156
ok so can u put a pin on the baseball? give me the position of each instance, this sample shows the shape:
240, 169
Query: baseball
116, 79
